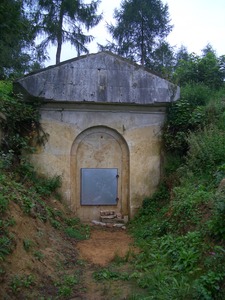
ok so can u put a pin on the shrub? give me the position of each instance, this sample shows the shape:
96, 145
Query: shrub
205, 69
215, 111
197, 94
6, 245
153, 204
197, 108
217, 223
65, 286
206, 150
21, 126
46, 186
3, 204
208, 286
76, 233
184, 115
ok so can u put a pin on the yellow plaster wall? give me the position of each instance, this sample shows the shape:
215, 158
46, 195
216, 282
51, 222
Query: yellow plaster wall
141, 133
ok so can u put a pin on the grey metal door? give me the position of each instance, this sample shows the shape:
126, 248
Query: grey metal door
99, 186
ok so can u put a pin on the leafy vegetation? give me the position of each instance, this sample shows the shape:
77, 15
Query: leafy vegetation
207, 69
17, 47
107, 274
19, 282
20, 124
180, 229
198, 106
65, 285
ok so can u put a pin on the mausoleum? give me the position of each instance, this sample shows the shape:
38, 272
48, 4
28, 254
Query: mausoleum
103, 115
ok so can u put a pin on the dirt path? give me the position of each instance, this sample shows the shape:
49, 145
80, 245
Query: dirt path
104, 245
99, 251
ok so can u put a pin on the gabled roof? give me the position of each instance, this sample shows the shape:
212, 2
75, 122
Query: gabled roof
102, 77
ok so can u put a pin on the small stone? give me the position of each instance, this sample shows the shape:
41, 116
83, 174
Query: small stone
108, 217
118, 225
119, 215
98, 223
125, 218
119, 220
107, 220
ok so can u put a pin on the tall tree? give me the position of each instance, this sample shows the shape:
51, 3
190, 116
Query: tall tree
181, 54
206, 69
141, 25
17, 36
208, 49
65, 21
162, 60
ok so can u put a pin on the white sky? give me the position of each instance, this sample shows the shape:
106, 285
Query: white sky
196, 23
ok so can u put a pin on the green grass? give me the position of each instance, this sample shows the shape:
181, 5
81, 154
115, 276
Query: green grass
180, 229
108, 274
66, 285
33, 202
21, 281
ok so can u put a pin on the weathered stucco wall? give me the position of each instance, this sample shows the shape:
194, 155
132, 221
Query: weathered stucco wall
127, 140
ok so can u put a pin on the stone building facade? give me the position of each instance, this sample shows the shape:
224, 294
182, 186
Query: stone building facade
103, 115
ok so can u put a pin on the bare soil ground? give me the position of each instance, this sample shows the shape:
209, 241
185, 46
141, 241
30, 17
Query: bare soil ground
99, 251
51, 256
103, 245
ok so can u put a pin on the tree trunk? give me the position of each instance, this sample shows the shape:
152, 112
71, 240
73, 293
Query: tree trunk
59, 36
58, 52
142, 41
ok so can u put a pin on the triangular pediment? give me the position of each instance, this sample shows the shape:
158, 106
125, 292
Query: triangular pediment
102, 77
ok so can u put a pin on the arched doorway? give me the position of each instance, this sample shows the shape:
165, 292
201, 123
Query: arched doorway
99, 173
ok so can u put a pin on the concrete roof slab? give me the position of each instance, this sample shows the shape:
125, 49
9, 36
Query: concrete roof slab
102, 78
